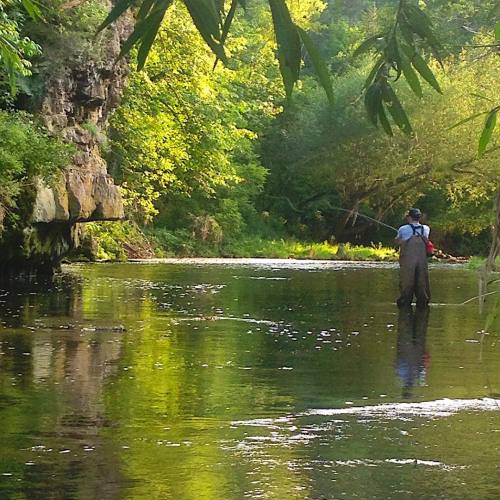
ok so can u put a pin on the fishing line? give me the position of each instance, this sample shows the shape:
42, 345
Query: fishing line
352, 212
359, 214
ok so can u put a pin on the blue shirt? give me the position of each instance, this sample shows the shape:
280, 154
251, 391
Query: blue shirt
406, 232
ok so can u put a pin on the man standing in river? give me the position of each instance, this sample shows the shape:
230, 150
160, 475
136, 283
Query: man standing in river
413, 267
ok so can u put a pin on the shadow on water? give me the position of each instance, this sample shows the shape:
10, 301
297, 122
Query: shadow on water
412, 357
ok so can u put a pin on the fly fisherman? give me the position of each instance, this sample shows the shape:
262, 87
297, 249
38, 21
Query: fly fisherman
414, 271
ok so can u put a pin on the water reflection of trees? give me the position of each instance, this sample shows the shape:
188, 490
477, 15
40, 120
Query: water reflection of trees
52, 374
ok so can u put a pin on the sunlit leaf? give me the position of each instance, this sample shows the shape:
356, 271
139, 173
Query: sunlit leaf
32, 9
318, 63
468, 119
489, 127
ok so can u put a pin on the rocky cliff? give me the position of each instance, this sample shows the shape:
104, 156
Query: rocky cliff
76, 104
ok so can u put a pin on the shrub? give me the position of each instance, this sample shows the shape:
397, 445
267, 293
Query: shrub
27, 152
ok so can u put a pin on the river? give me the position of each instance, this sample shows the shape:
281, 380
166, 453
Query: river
251, 379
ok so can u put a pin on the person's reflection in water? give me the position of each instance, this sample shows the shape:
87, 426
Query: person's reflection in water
413, 359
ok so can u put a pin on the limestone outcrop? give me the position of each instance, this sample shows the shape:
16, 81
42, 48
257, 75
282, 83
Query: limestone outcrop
76, 104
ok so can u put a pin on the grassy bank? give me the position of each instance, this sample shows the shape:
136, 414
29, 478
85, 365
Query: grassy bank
121, 241
286, 249
118, 242
476, 263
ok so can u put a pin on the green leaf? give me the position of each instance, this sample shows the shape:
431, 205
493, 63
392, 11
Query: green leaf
227, 25
421, 66
229, 20
288, 41
407, 32
489, 127
411, 77
119, 8
368, 44
154, 22
32, 9
373, 102
396, 109
384, 121
497, 32
468, 119
145, 9
475, 94
220, 6
206, 18
416, 14
319, 64
422, 26
141, 29
377, 67
393, 55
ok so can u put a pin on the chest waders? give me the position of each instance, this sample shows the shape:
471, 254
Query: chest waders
414, 270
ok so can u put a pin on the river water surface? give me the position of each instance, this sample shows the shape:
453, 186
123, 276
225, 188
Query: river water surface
277, 380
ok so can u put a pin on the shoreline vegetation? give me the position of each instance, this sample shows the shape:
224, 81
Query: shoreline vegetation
110, 242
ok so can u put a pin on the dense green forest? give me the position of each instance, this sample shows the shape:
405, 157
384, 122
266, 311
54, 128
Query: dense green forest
221, 159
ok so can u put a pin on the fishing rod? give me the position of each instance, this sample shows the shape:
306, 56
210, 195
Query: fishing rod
358, 214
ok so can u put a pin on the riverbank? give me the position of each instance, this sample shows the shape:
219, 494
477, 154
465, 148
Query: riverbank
121, 242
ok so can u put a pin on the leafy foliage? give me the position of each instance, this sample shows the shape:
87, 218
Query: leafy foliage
26, 152
320, 161
183, 139
210, 158
318, 158
213, 24
16, 49
491, 115
399, 54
